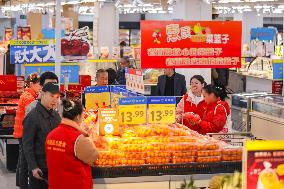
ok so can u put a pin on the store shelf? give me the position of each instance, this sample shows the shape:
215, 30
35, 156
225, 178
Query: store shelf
167, 169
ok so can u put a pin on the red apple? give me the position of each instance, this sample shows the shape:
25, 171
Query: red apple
75, 47
84, 49
64, 47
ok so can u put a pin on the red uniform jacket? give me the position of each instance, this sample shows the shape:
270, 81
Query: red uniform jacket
65, 170
213, 116
26, 98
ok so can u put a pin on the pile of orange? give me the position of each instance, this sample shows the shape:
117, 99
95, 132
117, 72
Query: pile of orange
162, 144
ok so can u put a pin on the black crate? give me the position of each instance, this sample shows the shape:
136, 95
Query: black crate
167, 169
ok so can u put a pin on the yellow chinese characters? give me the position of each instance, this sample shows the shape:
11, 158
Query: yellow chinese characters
56, 145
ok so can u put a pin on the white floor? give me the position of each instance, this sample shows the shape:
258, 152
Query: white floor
7, 179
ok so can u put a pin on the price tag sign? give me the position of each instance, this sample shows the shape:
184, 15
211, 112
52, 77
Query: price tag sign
132, 110
97, 97
162, 109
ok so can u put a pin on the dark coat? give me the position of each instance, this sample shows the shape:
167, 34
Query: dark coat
37, 125
121, 77
179, 85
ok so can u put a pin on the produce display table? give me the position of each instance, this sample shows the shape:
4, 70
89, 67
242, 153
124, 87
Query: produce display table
160, 176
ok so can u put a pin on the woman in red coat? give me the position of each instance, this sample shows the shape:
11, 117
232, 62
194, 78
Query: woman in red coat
70, 152
28, 96
213, 111
192, 99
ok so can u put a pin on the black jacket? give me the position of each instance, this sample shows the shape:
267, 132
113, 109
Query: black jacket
37, 125
179, 85
121, 77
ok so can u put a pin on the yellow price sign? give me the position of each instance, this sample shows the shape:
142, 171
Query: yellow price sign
97, 97
132, 110
162, 109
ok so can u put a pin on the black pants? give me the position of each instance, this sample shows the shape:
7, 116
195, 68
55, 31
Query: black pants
22, 169
35, 183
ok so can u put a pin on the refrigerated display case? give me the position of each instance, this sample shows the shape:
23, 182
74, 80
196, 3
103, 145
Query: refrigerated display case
240, 108
267, 117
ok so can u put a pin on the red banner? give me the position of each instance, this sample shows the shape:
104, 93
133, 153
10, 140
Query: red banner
186, 44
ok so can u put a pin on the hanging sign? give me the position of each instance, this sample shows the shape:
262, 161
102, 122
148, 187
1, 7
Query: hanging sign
32, 51
191, 44
132, 110
162, 109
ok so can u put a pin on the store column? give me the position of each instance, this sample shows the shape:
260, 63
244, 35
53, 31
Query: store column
106, 25
193, 10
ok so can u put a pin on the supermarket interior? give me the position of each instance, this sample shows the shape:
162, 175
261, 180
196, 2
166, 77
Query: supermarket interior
156, 94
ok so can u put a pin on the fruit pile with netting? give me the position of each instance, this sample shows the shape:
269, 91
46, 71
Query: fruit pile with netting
162, 144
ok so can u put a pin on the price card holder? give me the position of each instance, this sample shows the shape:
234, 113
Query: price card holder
108, 121
162, 109
97, 97
132, 110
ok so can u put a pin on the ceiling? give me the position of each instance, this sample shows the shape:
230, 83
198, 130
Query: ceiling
163, 6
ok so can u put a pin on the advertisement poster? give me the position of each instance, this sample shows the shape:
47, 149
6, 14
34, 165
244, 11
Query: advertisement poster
24, 33
264, 165
104, 52
97, 97
134, 81
8, 34
137, 53
190, 44
263, 34
69, 71
32, 51
108, 121
115, 52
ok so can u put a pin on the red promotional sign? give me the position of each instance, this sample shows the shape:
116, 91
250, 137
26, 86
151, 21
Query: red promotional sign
8, 83
186, 44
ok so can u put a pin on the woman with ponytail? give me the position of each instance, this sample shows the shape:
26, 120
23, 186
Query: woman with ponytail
69, 151
213, 112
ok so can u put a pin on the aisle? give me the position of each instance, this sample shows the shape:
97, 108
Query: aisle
7, 179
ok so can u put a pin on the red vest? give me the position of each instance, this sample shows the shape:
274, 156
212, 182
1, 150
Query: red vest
65, 170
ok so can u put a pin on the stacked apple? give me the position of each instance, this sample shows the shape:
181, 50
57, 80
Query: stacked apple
76, 44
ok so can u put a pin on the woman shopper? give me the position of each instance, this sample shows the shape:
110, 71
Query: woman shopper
192, 99
213, 112
70, 152
28, 96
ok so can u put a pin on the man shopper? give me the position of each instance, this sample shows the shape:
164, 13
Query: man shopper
102, 77
124, 64
37, 125
46, 77
171, 84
